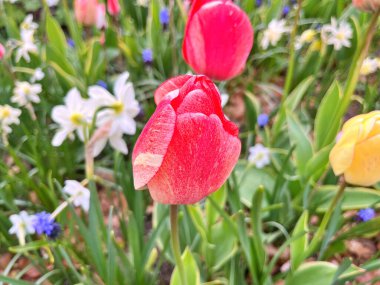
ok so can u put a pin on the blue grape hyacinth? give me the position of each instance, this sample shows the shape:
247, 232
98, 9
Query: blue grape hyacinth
147, 56
262, 120
164, 18
365, 215
45, 224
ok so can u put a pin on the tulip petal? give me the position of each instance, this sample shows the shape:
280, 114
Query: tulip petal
169, 86
152, 144
343, 152
200, 157
218, 40
365, 167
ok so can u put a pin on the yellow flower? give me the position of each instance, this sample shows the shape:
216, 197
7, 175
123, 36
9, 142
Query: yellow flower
357, 152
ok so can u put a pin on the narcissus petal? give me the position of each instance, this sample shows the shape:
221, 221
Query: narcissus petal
200, 157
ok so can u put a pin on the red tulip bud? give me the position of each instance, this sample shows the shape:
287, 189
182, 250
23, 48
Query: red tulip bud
2, 51
218, 39
188, 148
113, 7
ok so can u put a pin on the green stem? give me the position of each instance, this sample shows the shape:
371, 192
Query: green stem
354, 73
292, 54
175, 243
326, 218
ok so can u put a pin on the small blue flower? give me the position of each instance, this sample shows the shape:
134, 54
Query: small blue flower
71, 43
285, 11
293, 2
147, 56
164, 17
365, 215
102, 83
259, 3
262, 120
45, 224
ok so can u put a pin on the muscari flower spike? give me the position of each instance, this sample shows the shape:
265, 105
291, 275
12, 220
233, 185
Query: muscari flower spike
164, 18
285, 11
71, 43
45, 224
262, 120
102, 83
147, 56
365, 215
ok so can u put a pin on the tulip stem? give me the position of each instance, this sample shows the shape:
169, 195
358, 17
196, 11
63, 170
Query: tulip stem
292, 53
175, 242
326, 218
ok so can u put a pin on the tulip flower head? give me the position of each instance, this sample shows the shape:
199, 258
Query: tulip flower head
188, 148
86, 11
113, 7
367, 5
356, 155
218, 39
2, 51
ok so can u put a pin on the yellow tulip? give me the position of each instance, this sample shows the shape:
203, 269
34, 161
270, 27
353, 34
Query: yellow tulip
357, 152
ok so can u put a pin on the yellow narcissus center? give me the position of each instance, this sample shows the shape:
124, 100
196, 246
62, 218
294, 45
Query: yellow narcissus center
4, 113
118, 107
76, 118
26, 90
340, 36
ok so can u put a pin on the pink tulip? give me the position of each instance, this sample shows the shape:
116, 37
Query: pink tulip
2, 51
188, 148
86, 11
367, 5
218, 38
113, 7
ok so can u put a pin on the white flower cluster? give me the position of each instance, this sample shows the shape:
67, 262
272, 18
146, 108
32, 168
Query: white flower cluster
369, 66
337, 34
23, 223
26, 45
113, 115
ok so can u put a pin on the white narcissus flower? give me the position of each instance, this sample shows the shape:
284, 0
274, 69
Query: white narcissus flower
28, 24
74, 116
370, 65
259, 155
273, 33
25, 93
337, 34
52, 3
38, 75
22, 224
26, 46
79, 195
8, 116
143, 3
119, 113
